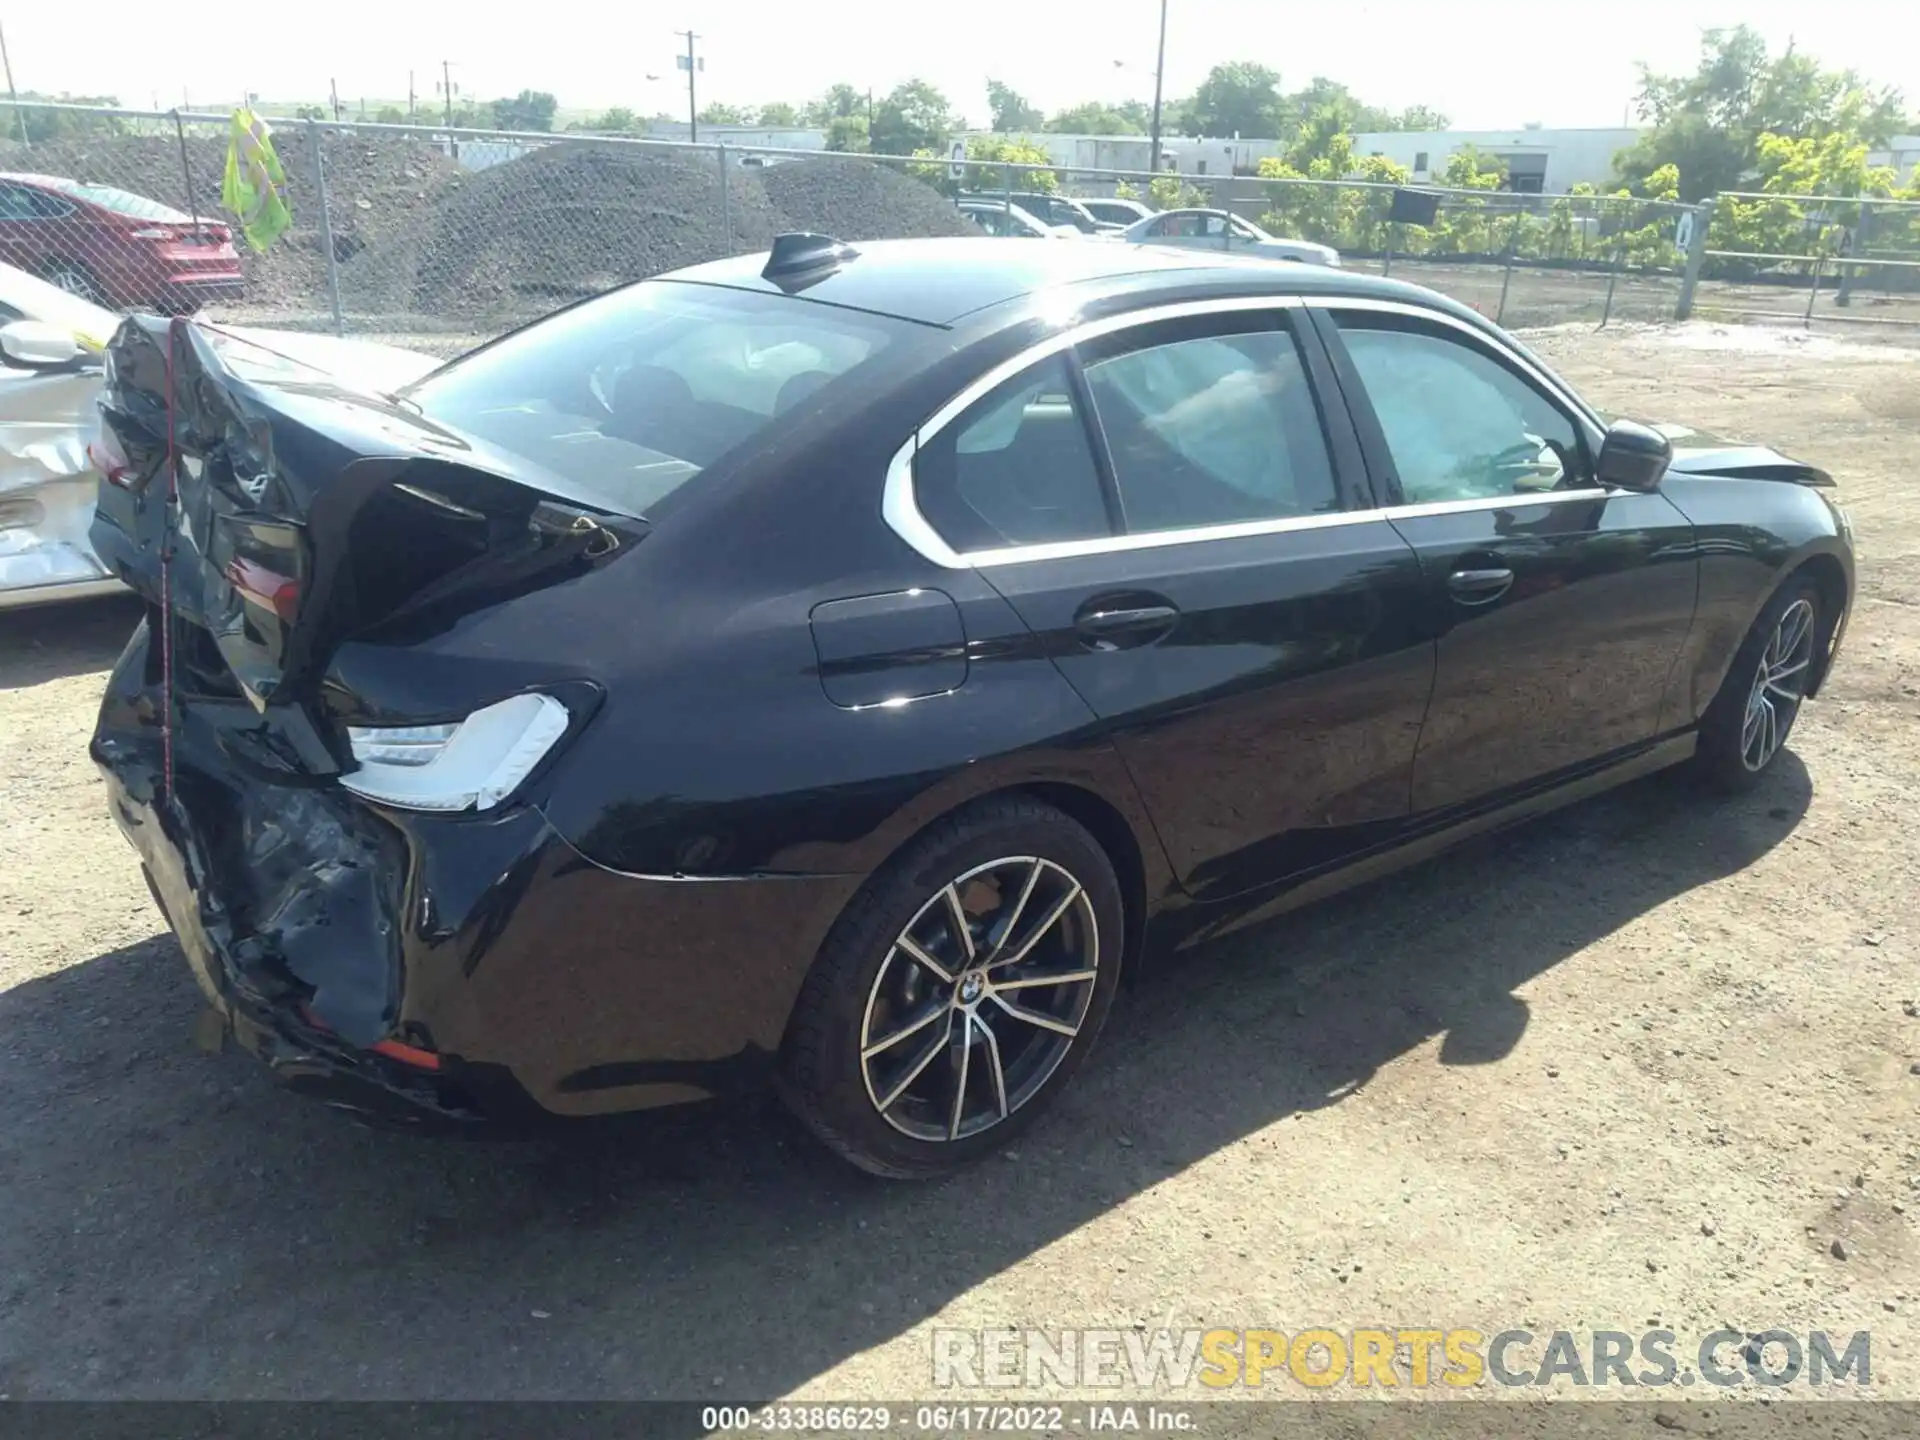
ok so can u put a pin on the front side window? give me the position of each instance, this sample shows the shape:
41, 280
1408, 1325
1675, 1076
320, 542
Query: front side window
633, 394
1211, 429
1458, 424
1016, 469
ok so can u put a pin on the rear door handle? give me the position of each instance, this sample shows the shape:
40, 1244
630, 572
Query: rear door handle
1118, 627
1479, 587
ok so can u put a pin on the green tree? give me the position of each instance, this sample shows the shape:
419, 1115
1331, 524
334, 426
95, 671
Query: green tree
721, 113
1240, 98
1010, 110
1093, 118
848, 133
988, 155
780, 115
840, 102
42, 125
390, 115
1709, 123
914, 117
1322, 97
529, 110
1421, 117
617, 121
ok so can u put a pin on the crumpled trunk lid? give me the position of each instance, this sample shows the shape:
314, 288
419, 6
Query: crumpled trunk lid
268, 512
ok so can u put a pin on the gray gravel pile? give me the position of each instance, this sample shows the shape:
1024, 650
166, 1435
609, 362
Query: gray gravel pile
557, 224
859, 200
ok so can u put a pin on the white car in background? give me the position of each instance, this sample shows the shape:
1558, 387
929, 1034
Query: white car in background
1115, 211
996, 217
51, 343
1223, 231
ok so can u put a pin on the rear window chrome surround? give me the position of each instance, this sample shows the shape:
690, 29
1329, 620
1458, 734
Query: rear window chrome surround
901, 512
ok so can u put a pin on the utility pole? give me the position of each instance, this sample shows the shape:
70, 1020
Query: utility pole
1159, 69
446, 88
409, 97
689, 64
333, 93
19, 115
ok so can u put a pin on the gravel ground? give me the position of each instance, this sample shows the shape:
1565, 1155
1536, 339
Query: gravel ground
1646, 1060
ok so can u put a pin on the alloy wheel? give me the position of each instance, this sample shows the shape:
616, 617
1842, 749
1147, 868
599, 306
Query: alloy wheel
980, 998
1779, 685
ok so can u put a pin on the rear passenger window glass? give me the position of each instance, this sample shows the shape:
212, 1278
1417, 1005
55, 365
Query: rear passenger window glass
1213, 430
1016, 469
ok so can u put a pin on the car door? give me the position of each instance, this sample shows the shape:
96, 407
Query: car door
1559, 606
1176, 513
17, 231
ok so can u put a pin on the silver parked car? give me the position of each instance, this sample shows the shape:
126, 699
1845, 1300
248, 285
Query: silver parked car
1221, 230
996, 217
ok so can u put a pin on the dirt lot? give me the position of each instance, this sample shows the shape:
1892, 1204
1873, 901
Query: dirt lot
1644, 1061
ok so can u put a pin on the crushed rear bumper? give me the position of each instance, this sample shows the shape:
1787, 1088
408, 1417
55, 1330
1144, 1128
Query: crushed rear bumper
319, 925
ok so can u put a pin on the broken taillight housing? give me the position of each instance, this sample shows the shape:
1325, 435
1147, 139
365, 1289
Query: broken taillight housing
472, 764
106, 456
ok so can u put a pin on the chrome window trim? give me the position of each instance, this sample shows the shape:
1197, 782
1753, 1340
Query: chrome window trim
1494, 502
1154, 539
901, 512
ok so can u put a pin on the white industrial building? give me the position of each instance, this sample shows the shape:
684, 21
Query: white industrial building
1538, 160
1902, 153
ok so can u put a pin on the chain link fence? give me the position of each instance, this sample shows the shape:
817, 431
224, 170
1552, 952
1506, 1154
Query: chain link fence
1811, 258
440, 239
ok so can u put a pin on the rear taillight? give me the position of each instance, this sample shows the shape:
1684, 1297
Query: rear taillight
105, 455
266, 588
472, 764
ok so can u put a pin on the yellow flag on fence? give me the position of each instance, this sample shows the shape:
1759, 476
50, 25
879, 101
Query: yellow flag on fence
254, 180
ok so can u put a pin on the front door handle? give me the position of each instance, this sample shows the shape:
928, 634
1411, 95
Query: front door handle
1479, 587
1118, 627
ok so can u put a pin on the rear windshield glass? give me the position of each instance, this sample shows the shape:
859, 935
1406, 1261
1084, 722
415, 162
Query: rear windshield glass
635, 393
121, 202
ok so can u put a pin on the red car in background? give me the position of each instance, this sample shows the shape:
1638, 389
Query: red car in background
113, 247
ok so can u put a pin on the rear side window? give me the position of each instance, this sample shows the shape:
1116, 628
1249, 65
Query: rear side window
634, 394
1015, 469
1212, 429
121, 202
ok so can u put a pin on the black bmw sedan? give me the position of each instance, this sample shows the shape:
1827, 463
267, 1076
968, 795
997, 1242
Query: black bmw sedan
842, 667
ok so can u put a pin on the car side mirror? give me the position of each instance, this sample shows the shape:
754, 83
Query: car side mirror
1633, 456
37, 345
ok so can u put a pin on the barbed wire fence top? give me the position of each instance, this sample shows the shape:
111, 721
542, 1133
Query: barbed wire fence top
441, 238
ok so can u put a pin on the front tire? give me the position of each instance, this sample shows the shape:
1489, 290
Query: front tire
1746, 727
959, 993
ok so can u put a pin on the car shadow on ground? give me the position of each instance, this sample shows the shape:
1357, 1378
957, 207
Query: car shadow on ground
176, 1226
51, 642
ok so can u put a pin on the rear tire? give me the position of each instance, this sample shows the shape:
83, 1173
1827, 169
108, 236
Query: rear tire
74, 280
958, 993
1746, 727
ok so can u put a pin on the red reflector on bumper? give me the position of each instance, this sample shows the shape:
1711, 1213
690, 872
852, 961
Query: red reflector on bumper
393, 1049
406, 1054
